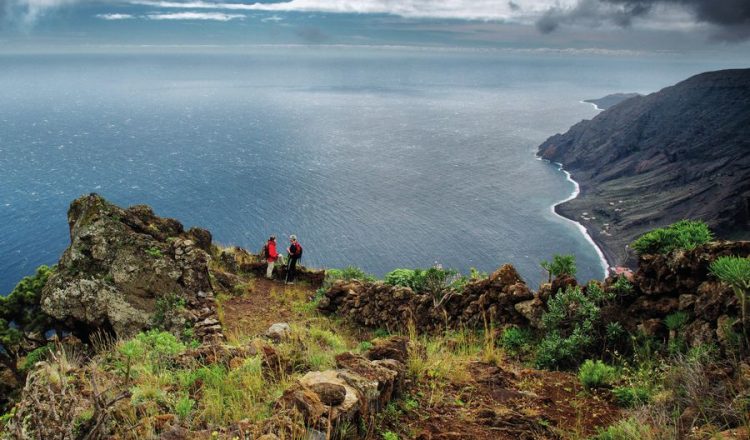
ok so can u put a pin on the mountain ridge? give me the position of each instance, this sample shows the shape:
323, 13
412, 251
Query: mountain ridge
651, 160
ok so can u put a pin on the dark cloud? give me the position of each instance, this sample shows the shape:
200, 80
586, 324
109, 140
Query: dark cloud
731, 17
514, 6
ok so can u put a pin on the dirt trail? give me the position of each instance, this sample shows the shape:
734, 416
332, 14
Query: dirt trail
264, 303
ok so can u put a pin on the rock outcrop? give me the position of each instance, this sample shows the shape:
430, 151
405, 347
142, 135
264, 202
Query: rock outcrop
653, 160
125, 269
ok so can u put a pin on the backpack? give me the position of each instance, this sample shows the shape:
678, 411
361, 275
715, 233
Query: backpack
264, 252
298, 253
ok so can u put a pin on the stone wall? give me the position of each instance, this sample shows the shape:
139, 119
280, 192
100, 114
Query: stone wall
501, 298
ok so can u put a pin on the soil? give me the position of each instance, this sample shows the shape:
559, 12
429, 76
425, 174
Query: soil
264, 303
512, 403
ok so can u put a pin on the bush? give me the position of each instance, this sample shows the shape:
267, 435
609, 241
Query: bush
560, 265
20, 315
347, 274
516, 340
685, 234
622, 287
735, 272
412, 278
676, 320
36, 355
571, 322
630, 396
594, 374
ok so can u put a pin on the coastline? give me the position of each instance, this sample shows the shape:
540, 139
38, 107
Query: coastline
586, 233
596, 107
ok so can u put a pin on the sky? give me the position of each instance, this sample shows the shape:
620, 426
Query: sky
711, 28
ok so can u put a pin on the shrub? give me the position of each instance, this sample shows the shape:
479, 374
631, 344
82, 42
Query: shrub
598, 294
622, 287
516, 340
165, 309
347, 274
735, 272
630, 396
21, 315
36, 355
685, 234
676, 320
594, 374
439, 283
560, 265
571, 322
412, 278
390, 435
183, 408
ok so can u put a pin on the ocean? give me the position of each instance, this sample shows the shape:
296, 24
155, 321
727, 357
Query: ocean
374, 157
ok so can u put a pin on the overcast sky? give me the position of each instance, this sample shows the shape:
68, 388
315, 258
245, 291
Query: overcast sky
718, 28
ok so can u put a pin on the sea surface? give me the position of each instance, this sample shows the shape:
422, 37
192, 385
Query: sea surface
375, 157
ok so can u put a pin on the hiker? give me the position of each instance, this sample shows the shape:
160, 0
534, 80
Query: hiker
269, 251
295, 253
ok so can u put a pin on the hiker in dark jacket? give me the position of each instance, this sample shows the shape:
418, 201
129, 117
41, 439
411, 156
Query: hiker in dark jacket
271, 256
295, 253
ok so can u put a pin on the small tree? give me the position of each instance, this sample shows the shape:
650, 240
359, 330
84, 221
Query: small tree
560, 265
735, 271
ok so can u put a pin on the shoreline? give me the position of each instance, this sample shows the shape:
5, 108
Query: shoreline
605, 266
596, 107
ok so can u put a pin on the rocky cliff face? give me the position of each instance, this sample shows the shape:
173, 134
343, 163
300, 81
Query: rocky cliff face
124, 267
652, 160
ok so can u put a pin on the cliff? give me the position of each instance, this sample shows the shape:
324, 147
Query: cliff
655, 159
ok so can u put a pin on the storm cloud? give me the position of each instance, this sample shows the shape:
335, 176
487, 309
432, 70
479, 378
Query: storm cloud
731, 18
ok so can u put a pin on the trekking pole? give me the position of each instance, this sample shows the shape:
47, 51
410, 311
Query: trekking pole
288, 268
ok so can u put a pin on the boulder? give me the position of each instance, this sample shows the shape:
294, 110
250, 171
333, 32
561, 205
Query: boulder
394, 347
278, 332
123, 265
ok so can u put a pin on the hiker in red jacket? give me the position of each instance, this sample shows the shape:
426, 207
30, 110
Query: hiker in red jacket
271, 256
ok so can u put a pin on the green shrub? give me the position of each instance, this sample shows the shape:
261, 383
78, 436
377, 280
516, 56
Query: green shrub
571, 322
614, 332
595, 374
676, 320
560, 265
626, 429
685, 234
598, 294
154, 252
390, 435
437, 282
630, 396
165, 308
183, 408
20, 315
36, 355
412, 278
516, 340
347, 274
622, 287
735, 271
